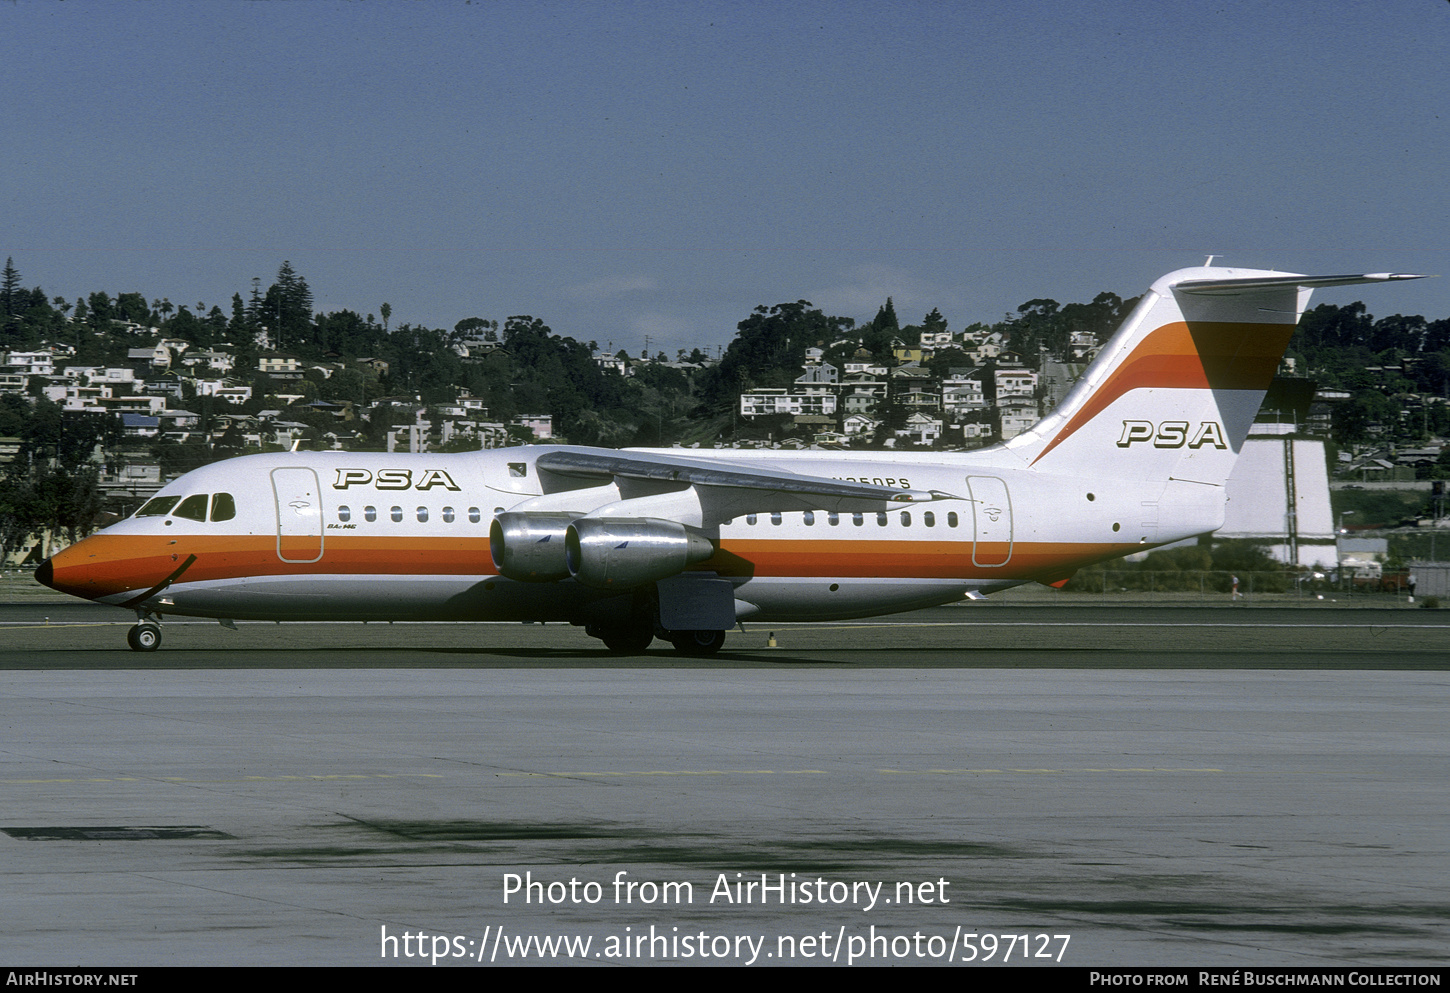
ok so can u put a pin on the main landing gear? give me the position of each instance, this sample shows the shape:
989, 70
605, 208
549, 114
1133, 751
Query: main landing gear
627, 640
699, 644
633, 639
627, 624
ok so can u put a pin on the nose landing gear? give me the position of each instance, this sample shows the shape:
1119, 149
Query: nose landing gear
146, 635
144, 638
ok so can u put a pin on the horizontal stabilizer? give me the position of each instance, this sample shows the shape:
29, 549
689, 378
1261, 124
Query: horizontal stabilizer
1229, 287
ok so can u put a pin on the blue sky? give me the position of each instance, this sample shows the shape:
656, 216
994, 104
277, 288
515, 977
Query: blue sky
624, 169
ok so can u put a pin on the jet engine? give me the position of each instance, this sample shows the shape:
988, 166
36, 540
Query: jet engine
620, 553
529, 548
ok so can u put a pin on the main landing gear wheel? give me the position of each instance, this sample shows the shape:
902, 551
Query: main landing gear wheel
144, 638
627, 641
697, 643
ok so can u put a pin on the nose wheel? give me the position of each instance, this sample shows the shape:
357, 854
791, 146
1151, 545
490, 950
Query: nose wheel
144, 637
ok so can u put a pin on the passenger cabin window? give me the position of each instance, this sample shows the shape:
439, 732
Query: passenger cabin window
929, 519
881, 519
833, 518
447, 515
370, 514
422, 515
157, 506
952, 519
809, 517
906, 518
775, 517
858, 519
751, 518
397, 514
193, 508
344, 514
474, 515
223, 507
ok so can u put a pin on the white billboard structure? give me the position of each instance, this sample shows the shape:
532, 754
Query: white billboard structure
1278, 496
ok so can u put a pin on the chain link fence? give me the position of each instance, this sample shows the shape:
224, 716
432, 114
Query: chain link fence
1222, 586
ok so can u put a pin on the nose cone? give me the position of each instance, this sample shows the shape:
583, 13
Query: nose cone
71, 570
107, 564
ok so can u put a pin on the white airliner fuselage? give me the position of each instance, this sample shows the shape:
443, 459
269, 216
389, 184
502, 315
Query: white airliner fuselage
684, 544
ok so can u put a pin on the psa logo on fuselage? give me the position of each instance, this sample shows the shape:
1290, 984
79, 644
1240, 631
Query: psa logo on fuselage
394, 479
1172, 434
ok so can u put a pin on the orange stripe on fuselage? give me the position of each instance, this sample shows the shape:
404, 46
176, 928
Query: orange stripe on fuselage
1204, 355
104, 565
903, 559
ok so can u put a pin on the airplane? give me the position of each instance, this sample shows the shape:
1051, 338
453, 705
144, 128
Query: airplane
685, 545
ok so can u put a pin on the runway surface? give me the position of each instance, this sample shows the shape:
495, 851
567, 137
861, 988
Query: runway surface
74, 634
1226, 787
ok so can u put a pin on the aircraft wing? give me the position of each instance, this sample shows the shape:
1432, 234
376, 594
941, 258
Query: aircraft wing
738, 486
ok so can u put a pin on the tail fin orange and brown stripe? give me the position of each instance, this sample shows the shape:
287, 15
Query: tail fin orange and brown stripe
1174, 392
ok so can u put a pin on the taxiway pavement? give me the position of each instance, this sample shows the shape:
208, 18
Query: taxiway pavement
1287, 808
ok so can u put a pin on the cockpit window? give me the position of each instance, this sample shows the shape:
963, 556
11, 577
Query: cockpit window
193, 508
223, 507
157, 506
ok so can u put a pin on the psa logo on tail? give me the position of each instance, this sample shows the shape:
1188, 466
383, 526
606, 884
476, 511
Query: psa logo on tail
1172, 434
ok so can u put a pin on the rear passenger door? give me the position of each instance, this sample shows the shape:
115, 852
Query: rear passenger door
992, 518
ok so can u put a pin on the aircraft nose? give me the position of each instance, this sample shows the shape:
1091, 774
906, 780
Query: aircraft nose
66, 572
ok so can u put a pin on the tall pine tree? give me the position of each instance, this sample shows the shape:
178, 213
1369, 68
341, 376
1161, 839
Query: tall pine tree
288, 309
10, 301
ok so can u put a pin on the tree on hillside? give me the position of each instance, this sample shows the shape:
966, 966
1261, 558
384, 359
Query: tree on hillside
9, 286
475, 327
52, 486
1330, 326
768, 351
287, 309
101, 310
133, 307
347, 334
884, 328
1398, 333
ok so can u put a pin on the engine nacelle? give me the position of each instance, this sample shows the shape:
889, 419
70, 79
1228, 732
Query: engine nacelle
620, 553
530, 547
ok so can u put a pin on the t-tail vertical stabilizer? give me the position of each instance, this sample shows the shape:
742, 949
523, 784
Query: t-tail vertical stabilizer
1174, 392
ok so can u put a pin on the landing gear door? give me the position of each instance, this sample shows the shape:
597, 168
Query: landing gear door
299, 514
696, 603
992, 515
